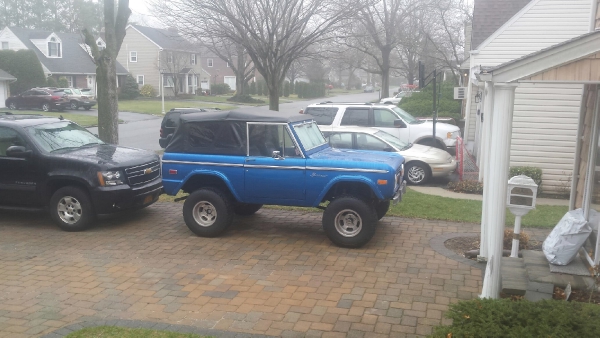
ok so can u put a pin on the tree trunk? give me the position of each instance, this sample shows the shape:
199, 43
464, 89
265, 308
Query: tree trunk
240, 76
273, 93
108, 109
385, 73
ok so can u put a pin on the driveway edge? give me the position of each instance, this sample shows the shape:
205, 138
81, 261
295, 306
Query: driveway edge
437, 244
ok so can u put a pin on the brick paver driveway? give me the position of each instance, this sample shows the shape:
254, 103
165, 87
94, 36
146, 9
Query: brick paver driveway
274, 273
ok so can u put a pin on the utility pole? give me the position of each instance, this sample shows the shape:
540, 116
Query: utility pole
422, 85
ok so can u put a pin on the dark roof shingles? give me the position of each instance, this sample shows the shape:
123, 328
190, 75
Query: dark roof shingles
489, 15
165, 38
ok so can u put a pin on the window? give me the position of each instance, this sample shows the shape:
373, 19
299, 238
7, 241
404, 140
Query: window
368, 142
193, 59
227, 64
264, 139
340, 140
70, 80
4, 44
167, 81
384, 118
53, 48
209, 62
323, 115
68, 91
133, 57
101, 45
140, 80
355, 117
406, 116
169, 57
309, 134
9, 138
215, 137
61, 135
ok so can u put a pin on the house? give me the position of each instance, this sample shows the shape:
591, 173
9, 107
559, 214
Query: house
220, 71
61, 54
5, 79
545, 114
154, 56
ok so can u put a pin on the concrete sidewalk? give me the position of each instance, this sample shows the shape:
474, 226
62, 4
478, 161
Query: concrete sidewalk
451, 194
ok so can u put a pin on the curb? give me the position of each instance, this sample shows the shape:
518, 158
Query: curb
437, 244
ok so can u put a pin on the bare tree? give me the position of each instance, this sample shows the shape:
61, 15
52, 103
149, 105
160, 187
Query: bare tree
378, 34
295, 70
273, 32
237, 58
176, 61
106, 67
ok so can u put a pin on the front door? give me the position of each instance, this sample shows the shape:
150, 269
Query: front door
273, 179
383, 119
18, 178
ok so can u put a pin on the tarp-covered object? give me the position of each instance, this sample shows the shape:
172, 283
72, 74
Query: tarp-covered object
563, 243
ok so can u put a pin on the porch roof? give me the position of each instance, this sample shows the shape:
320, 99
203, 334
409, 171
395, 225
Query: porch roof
573, 61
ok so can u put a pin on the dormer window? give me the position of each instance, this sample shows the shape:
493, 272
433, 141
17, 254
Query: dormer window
100, 44
54, 49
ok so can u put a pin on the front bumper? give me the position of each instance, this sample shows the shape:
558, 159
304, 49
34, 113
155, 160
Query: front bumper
59, 105
108, 200
443, 169
399, 194
87, 103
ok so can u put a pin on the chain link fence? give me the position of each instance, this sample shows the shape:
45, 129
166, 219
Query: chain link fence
467, 164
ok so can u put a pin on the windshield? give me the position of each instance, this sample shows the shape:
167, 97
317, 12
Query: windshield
61, 135
309, 134
76, 91
406, 116
396, 142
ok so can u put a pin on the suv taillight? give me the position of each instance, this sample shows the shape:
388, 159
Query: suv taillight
162, 133
55, 98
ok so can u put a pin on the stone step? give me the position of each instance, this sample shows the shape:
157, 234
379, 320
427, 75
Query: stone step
513, 276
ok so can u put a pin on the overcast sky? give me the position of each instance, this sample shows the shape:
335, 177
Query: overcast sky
141, 13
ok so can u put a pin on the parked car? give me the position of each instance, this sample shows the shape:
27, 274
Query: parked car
233, 162
369, 89
171, 121
38, 98
388, 118
422, 162
78, 99
54, 164
396, 98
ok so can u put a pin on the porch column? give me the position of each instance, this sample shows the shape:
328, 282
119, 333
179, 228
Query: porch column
496, 181
488, 106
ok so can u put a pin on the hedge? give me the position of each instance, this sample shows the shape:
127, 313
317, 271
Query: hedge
25, 66
420, 104
220, 89
130, 89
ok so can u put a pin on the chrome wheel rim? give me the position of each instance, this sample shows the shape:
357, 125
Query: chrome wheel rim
13, 106
69, 210
348, 223
73, 105
45, 107
416, 174
204, 213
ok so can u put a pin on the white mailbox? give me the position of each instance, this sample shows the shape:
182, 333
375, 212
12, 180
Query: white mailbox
522, 192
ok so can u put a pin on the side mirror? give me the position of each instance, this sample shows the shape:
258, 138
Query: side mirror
277, 155
18, 151
399, 124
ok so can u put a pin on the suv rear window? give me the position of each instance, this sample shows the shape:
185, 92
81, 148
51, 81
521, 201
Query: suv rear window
323, 115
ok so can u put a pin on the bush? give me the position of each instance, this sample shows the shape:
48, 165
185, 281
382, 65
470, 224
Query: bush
253, 88
421, 104
292, 89
469, 187
506, 318
508, 238
130, 89
286, 89
244, 99
25, 66
220, 89
533, 172
259, 88
63, 82
51, 82
148, 91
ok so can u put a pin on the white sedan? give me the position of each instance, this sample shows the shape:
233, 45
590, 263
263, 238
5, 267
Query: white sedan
394, 99
422, 162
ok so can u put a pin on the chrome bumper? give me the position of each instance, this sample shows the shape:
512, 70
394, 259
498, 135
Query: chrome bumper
398, 196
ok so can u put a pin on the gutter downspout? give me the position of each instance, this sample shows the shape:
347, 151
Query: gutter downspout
594, 14
469, 95
160, 83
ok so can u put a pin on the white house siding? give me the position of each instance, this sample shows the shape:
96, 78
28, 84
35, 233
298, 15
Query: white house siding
470, 135
3, 92
13, 42
545, 122
147, 58
546, 23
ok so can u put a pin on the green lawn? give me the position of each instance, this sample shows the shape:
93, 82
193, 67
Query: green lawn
82, 120
154, 107
419, 205
122, 332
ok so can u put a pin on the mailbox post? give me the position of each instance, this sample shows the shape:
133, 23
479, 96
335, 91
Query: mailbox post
522, 192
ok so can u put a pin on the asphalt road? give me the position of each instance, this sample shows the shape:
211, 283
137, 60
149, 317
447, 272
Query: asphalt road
142, 130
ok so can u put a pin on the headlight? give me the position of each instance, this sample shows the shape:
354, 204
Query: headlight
109, 178
453, 135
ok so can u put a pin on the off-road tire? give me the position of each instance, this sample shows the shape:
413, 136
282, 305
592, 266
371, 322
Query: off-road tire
417, 173
201, 205
246, 209
364, 215
382, 208
87, 107
78, 202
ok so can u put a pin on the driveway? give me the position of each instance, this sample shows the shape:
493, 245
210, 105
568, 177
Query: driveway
274, 273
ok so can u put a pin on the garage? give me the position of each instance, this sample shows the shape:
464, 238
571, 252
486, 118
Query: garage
230, 80
5, 79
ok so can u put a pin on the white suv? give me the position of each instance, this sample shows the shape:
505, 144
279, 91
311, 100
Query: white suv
388, 118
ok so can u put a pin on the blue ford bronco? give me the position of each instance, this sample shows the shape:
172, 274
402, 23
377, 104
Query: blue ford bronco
233, 162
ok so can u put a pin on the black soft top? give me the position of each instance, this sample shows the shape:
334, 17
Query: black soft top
245, 115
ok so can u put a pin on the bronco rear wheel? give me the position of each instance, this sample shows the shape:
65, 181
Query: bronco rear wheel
207, 212
349, 222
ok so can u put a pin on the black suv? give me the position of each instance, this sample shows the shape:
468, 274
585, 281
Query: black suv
53, 163
171, 121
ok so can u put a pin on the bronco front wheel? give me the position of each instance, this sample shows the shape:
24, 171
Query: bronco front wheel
207, 212
349, 222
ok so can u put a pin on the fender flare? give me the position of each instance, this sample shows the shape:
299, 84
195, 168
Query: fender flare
347, 178
203, 172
